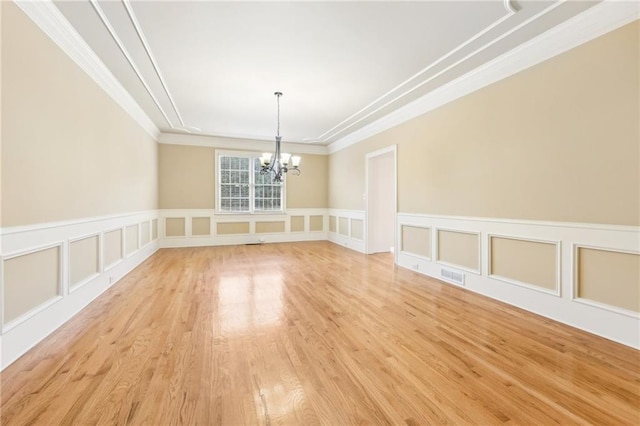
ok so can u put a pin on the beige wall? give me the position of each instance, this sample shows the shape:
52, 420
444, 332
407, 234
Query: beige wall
112, 247
174, 227
269, 227
459, 248
310, 189
558, 141
529, 262
620, 273
187, 179
29, 281
145, 234
357, 229
416, 240
68, 150
343, 225
131, 242
297, 224
316, 223
201, 226
228, 228
83, 259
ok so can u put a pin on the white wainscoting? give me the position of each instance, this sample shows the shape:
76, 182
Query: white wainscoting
252, 237
613, 323
345, 237
22, 333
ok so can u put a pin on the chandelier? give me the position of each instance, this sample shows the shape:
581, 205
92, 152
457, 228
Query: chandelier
279, 163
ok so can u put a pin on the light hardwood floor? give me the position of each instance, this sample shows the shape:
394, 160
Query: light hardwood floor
312, 333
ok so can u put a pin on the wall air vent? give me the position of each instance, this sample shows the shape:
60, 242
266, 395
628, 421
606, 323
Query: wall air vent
452, 276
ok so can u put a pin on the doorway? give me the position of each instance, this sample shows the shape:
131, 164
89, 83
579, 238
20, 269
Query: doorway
381, 204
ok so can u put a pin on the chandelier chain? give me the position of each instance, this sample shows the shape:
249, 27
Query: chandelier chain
278, 94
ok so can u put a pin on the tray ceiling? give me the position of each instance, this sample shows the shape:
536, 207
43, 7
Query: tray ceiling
211, 68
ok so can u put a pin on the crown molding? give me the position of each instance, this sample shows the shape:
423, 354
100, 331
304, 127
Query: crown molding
241, 144
125, 52
421, 78
147, 48
606, 16
51, 21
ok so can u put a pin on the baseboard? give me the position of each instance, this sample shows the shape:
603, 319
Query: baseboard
226, 240
346, 241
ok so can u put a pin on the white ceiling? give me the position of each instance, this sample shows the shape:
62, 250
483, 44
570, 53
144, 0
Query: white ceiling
214, 66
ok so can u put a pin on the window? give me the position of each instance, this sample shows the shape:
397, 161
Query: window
241, 187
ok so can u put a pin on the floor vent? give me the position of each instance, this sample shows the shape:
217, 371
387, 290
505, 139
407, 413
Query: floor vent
452, 276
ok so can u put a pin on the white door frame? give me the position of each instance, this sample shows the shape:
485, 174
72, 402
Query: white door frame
368, 157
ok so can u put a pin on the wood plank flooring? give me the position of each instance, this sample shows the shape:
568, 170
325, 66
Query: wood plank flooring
312, 333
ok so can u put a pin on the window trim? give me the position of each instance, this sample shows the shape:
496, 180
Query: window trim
251, 212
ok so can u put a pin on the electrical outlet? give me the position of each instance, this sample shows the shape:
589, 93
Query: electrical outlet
416, 267
111, 279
